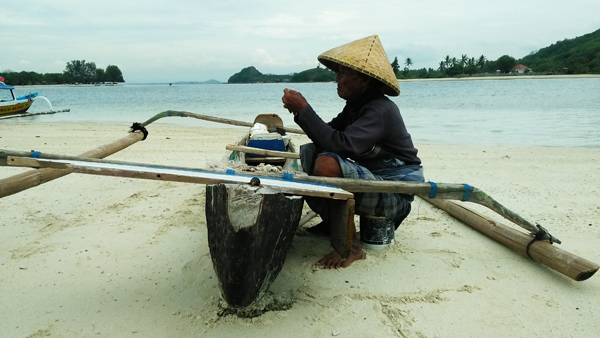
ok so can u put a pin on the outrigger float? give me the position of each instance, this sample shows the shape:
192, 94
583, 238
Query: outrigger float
252, 219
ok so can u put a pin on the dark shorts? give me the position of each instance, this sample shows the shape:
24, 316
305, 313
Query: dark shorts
389, 205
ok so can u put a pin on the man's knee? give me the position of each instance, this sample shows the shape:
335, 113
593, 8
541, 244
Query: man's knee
327, 166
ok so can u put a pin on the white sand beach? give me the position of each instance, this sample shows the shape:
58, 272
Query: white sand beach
96, 256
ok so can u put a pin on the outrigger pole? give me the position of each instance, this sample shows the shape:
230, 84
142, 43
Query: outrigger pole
17, 183
536, 248
451, 191
176, 113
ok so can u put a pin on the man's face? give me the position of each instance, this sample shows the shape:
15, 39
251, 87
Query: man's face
350, 83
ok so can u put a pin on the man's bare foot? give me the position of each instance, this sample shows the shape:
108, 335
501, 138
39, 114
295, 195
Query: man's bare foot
333, 260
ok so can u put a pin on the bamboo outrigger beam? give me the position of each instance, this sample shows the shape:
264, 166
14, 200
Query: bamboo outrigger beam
540, 250
452, 191
543, 252
198, 176
175, 113
17, 183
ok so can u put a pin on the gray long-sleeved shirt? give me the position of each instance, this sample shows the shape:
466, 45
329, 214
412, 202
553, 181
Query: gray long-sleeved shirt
366, 130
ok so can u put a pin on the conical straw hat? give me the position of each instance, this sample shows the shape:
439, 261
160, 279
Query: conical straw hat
366, 56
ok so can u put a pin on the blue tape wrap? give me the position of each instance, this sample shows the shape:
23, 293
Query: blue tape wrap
433, 190
182, 113
36, 154
169, 113
288, 176
230, 172
467, 192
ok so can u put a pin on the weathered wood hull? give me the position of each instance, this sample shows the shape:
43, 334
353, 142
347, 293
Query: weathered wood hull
250, 232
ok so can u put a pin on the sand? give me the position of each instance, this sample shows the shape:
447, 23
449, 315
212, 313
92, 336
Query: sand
94, 256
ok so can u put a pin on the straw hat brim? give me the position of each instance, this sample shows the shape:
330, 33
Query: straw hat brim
366, 56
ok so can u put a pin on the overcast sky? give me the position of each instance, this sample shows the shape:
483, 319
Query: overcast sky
198, 40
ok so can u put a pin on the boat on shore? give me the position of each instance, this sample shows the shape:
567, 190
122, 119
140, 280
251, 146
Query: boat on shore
266, 143
10, 104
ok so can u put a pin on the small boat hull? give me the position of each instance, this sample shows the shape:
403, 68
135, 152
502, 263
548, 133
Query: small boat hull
15, 107
249, 234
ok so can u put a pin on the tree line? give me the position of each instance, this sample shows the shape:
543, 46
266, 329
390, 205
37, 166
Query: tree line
580, 55
456, 67
76, 72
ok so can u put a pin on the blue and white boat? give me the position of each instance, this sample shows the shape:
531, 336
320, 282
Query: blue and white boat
10, 104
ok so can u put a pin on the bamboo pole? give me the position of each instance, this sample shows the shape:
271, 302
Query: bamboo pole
17, 183
561, 261
451, 191
175, 113
543, 252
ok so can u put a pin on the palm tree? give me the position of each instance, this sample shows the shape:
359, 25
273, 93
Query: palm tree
447, 61
463, 60
481, 62
408, 62
442, 66
395, 66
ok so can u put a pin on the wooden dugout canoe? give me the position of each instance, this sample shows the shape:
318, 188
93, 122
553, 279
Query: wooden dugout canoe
250, 231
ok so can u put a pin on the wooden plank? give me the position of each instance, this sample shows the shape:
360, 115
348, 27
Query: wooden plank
182, 175
264, 152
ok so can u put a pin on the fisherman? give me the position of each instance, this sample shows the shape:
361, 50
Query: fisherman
367, 140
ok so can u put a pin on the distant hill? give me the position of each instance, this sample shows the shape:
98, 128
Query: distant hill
572, 56
314, 75
252, 75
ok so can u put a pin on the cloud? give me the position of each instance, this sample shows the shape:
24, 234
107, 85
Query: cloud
201, 40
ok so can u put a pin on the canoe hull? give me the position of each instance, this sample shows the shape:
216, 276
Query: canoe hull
249, 235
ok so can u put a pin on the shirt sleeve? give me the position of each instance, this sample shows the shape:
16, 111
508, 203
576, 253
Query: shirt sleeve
356, 140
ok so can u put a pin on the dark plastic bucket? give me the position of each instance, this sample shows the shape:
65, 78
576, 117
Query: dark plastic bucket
376, 232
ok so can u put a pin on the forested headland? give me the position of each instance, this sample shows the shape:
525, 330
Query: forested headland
76, 72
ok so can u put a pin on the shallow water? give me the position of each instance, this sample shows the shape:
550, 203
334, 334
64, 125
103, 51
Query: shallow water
524, 112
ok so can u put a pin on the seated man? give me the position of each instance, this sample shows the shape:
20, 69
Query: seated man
367, 140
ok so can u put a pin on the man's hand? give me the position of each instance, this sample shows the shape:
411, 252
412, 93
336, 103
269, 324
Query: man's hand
293, 101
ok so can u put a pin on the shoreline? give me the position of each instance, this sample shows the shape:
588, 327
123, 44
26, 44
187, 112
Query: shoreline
465, 78
166, 124
509, 77
107, 256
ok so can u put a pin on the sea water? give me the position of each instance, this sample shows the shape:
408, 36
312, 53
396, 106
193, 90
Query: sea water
519, 112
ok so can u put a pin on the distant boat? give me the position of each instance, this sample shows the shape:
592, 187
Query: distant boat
9, 104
